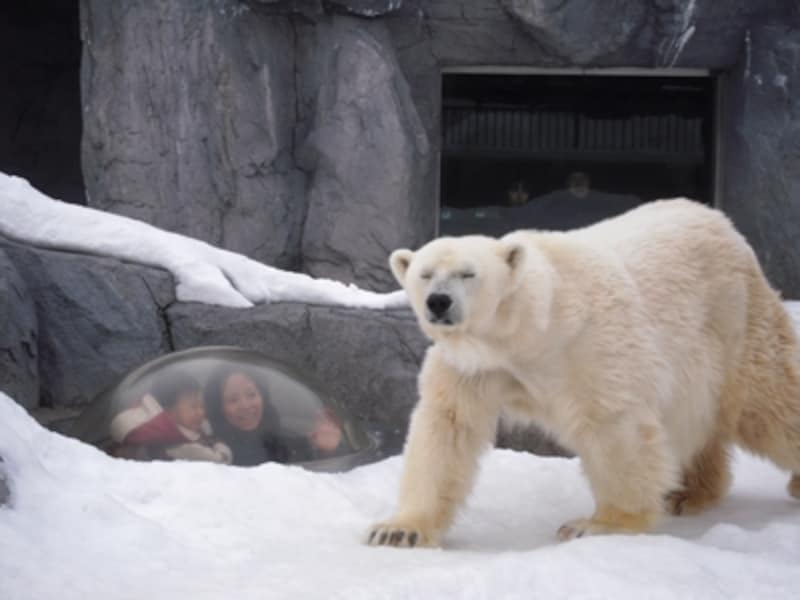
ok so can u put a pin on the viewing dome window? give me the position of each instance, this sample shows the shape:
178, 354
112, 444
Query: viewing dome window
225, 405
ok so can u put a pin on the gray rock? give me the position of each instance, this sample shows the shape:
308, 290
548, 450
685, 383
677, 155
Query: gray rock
658, 33
366, 8
318, 8
366, 152
579, 30
189, 109
761, 141
5, 492
703, 34
19, 377
97, 318
307, 8
367, 360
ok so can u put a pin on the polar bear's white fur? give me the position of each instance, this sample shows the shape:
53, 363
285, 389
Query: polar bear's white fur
647, 344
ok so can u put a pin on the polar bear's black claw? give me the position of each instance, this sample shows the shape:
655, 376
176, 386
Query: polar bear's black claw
382, 539
396, 538
412, 539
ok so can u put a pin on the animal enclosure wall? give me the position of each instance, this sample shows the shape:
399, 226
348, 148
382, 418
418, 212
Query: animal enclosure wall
309, 134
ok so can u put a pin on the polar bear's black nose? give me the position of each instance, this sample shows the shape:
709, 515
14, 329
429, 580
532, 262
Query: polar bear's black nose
438, 304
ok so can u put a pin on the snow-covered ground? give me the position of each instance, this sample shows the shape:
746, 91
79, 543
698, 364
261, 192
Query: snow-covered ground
85, 526
81, 525
203, 273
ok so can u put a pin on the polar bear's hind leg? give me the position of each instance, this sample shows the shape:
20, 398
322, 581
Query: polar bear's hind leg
705, 481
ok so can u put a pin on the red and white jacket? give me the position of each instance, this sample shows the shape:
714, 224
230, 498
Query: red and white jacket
147, 425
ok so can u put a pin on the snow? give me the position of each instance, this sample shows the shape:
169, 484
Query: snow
203, 273
85, 526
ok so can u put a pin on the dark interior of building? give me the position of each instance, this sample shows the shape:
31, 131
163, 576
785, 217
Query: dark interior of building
563, 151
40, 107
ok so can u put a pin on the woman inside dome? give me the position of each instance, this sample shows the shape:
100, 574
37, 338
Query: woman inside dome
241, 415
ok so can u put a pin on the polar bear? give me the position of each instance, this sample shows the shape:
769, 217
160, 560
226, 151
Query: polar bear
647, 344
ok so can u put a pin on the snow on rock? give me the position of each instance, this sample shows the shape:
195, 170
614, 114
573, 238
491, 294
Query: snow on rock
82, 525
203, 272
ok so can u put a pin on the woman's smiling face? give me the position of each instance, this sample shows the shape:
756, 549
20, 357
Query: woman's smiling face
242, 404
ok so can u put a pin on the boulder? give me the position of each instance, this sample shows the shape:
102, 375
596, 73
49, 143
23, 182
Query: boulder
317, 8
365, 150
579, 31
188, 123
661, 33
96, 317
19, 377
366, 8
761, 144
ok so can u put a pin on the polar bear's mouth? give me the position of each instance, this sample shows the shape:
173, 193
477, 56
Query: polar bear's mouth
434, 320
446, 321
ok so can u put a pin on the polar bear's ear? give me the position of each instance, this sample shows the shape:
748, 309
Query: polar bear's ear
513, 253
399, 262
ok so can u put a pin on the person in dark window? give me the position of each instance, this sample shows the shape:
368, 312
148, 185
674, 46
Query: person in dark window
241, 415
168, 423
575, 205
579, 184
518, 194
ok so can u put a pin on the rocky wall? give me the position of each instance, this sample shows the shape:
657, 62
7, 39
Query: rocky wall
305, 133
761, 145
188, 122
19, 352
93, 319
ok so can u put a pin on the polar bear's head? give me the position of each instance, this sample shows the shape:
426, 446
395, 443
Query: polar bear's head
457, 284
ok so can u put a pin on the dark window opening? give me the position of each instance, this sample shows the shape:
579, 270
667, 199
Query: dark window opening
560, 151
40, 107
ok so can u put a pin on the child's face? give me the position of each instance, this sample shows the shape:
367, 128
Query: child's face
189, 411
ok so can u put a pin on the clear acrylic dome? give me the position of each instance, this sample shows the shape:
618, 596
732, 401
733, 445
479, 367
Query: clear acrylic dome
226, 405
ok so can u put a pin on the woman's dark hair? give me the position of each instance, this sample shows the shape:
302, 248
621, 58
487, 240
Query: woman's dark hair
169, 386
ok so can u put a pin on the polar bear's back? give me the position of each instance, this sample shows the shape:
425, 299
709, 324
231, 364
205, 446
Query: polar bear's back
665, 227
690, 267
696, 282
678, 251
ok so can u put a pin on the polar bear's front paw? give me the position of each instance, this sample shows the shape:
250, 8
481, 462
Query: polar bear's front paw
401, 535
574, 529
